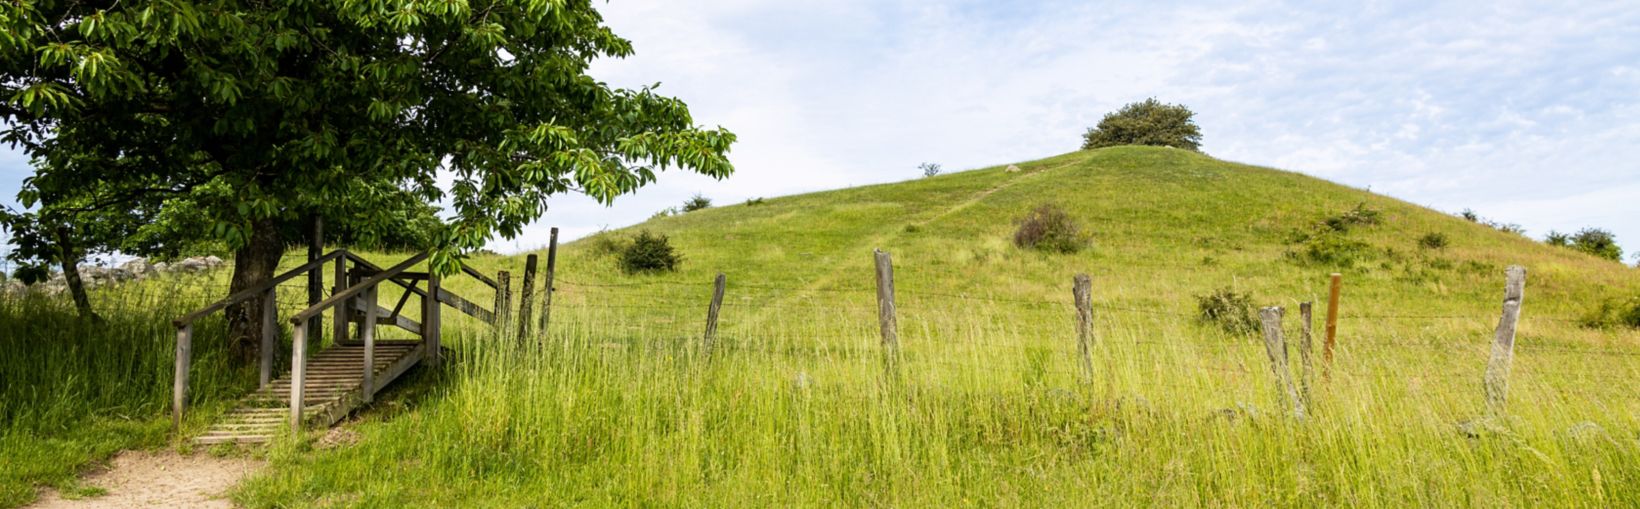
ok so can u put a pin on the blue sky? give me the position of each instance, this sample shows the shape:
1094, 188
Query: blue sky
1526, 112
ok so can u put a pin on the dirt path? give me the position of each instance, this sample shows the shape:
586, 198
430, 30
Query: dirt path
159, 479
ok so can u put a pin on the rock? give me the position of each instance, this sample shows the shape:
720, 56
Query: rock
1013, 168
193, 265
138, 267
13, 287
213, 262
161, 267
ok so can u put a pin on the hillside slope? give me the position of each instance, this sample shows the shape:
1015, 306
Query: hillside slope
990, 402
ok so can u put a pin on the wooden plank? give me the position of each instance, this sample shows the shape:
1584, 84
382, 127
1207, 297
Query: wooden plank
368, 366
358, 288
270, 329
503, 301
298, 376
433, 332
1503, 342
339, 328
316, 277
253, 291
468, 308
493, 284
1304, 342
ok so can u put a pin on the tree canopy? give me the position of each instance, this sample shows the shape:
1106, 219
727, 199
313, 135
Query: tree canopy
238, 121
243, 114
1148, 122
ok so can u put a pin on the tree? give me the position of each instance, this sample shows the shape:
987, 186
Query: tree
696, 202
930, 169
1598, 242
237, 121
1148, 122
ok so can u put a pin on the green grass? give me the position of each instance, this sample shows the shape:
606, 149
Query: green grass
619, 406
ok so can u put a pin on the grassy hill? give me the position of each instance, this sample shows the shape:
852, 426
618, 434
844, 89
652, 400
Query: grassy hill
618, 404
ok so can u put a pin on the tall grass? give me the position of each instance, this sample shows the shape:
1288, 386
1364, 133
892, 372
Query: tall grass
74, 391
796, 407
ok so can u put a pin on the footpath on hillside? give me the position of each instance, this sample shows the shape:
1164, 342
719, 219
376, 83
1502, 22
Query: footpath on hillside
161, 478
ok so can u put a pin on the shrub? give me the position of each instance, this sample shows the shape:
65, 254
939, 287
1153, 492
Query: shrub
1331, 249
1471, 216
1613, 313
754, 202
929, 169
1358, 216
605, 244
649, 253
1049, 228
696, 203
1555, 238
1598, 242
1149, 122
666, 212
1228, 310
1433, 240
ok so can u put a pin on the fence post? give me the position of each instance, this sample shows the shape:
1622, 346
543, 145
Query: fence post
546, 286
1082, 291
885, 310
525, 306
179, 385
1304, 313
503, 300
270, 328
711, 310
1503, 342
1332, 325
1276, 348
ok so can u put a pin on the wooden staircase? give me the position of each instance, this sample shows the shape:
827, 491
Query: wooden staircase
333, 382
333, 389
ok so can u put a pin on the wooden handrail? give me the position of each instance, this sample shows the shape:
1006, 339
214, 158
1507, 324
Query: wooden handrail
357, 289
247, 293
480, 276
444, 296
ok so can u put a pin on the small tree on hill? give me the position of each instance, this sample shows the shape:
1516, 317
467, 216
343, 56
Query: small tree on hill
1149, 122
1597, 242
696, 202
929, 169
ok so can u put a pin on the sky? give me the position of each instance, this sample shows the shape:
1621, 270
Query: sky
1525, 112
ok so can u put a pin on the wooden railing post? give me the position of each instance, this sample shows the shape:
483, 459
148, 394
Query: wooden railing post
1082, 292
711, 309
885, 311
339, 329
316, 277
179, 387
1304, 344
432, 325
298, 376
270, 329
368, 330
546, 287
1503, 342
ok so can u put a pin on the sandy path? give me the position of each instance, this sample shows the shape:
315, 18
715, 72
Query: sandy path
159, 479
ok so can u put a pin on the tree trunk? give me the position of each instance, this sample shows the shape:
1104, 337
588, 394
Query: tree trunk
253, 265
70, 260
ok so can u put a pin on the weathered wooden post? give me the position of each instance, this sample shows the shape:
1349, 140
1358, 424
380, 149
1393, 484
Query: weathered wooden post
546, 288
526, 293
270, 329
711, 310
885, 311
298, 376
1276, 348
179, 381
338, 332
432, 327
1082, 291
1332, 325
503, 301
1503, 342
1304, 342
368, 331
316, 277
